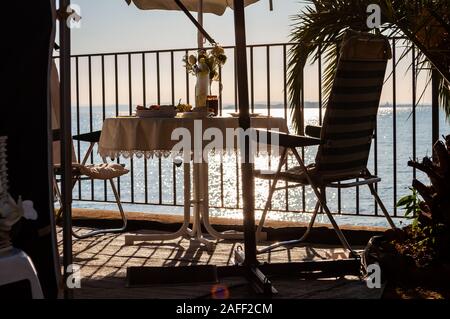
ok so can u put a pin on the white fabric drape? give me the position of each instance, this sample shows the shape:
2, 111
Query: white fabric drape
133, 136
209, 6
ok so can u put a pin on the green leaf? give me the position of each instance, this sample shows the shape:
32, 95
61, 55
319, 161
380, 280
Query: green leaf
405, 200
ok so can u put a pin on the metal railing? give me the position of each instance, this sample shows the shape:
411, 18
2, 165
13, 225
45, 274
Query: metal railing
109, 84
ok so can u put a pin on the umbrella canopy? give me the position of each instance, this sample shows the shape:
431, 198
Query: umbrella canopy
217, 7
209, 6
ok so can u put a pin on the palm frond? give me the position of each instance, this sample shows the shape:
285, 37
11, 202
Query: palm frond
316, 31
320, 25
444, 97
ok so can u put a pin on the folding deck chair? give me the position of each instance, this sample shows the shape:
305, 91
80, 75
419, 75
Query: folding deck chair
345, 137
82, 170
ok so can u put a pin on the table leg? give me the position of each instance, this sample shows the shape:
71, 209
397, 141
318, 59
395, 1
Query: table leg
184, 229
198, 202
195, 203
203, 172
200, 212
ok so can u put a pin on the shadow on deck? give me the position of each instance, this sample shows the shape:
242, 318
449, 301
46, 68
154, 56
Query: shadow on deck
104, 260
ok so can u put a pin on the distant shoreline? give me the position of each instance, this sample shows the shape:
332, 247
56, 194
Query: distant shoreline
308, 105
314, 105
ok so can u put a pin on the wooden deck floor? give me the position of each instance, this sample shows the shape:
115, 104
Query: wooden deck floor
104, 260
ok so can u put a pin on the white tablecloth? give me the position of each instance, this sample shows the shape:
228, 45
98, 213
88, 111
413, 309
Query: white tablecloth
133, 136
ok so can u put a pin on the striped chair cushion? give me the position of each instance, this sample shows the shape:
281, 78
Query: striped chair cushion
295, 174
350, 117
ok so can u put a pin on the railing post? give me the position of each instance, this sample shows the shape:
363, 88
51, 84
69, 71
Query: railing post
435, 105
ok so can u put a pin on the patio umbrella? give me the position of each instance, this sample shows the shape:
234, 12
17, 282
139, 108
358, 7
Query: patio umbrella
251, 270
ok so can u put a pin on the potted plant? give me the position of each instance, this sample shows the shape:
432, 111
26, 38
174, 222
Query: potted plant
419, 253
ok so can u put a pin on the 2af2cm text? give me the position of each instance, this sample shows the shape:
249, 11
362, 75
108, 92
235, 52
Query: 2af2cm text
239, 308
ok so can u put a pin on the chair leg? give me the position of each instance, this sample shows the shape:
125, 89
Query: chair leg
118, 202
338, 231
283, 159
112, 230
336, 228
119, 205
266, 207
58, 196
321, 198
383, 208
294, 241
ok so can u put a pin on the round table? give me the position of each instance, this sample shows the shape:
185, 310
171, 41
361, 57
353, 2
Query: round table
130, 136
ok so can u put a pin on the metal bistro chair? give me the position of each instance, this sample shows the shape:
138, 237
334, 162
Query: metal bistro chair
82, 170
345, 138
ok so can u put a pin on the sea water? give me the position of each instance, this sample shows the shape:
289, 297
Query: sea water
224, 182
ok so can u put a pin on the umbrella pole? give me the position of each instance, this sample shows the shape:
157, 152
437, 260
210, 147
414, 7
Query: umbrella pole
200, 21
194, 21
244, 123
257, 279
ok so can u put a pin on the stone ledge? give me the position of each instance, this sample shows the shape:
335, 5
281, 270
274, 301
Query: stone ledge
276, 230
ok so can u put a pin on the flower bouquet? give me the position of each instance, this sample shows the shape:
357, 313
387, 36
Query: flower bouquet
205, 66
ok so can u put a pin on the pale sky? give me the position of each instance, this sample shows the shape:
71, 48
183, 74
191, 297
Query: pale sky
113, 26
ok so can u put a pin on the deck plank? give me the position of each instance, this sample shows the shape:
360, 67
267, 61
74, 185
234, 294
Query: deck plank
104, 260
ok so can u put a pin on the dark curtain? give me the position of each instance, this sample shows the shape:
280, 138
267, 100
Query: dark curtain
27, 35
